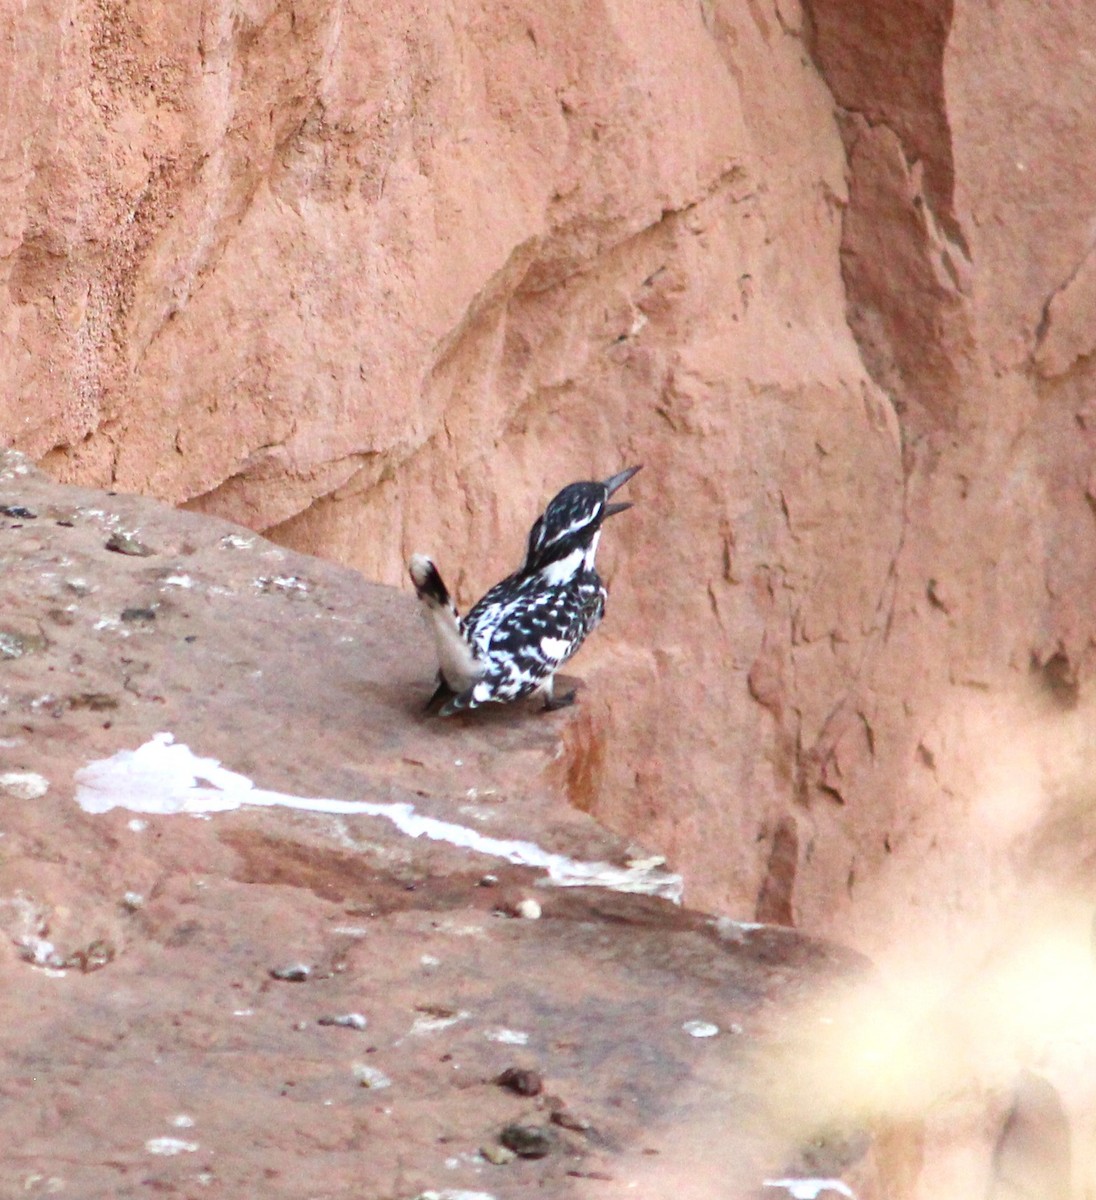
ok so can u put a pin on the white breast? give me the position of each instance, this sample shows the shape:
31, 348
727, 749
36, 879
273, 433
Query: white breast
565, 569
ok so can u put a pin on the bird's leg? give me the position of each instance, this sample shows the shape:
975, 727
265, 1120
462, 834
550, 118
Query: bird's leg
458, 702
551, 700
442, 692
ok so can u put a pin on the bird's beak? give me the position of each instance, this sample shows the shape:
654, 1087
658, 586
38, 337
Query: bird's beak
618, 481
611, 485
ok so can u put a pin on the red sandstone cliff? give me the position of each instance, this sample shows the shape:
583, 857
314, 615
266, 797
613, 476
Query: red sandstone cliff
381, 281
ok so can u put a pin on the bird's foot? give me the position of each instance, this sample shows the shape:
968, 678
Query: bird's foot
458, 702
563, 701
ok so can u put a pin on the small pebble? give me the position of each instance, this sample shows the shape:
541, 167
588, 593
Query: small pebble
132, 901
700, 1029
528, 1141
346, 1020
811, 1189
508, 1037
731, 930
39, 952
529, 909
138, 614
23, 785
566, 1119
13, 645
521, 1080
454, 1194
434, 1018
19, 511
126, 543
94, 701
50, 1185
370, 1077
489, 881
499, 1155
169, 1145
287, 584
291, 973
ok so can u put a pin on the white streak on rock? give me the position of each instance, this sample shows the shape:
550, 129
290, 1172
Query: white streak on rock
165, 777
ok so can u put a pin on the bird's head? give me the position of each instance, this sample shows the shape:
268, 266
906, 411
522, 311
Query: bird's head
566, 532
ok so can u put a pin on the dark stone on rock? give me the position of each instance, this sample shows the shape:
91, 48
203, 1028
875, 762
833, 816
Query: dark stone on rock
521, 1080
528, 1141
138, 614
95, 701
126, 543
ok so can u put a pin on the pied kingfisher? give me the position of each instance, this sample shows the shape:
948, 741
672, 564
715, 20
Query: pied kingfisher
525, 628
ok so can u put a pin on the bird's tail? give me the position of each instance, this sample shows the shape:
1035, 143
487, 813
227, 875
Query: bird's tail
429, 584
459, 667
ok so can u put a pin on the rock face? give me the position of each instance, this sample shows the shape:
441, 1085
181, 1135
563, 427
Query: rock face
378, 282
327, 984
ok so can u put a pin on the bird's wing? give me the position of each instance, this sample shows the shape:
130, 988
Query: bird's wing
523, 634
494, 609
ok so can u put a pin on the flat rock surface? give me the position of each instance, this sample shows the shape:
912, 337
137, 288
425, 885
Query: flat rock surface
155, 1038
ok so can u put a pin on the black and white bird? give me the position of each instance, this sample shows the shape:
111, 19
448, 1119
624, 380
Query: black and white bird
512, 642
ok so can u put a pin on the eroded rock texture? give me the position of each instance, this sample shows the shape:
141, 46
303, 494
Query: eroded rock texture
376, 281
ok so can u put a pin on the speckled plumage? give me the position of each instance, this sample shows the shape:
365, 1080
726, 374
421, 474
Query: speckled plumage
524, 632
513, 640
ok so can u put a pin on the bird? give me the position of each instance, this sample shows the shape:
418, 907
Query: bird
513, 640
